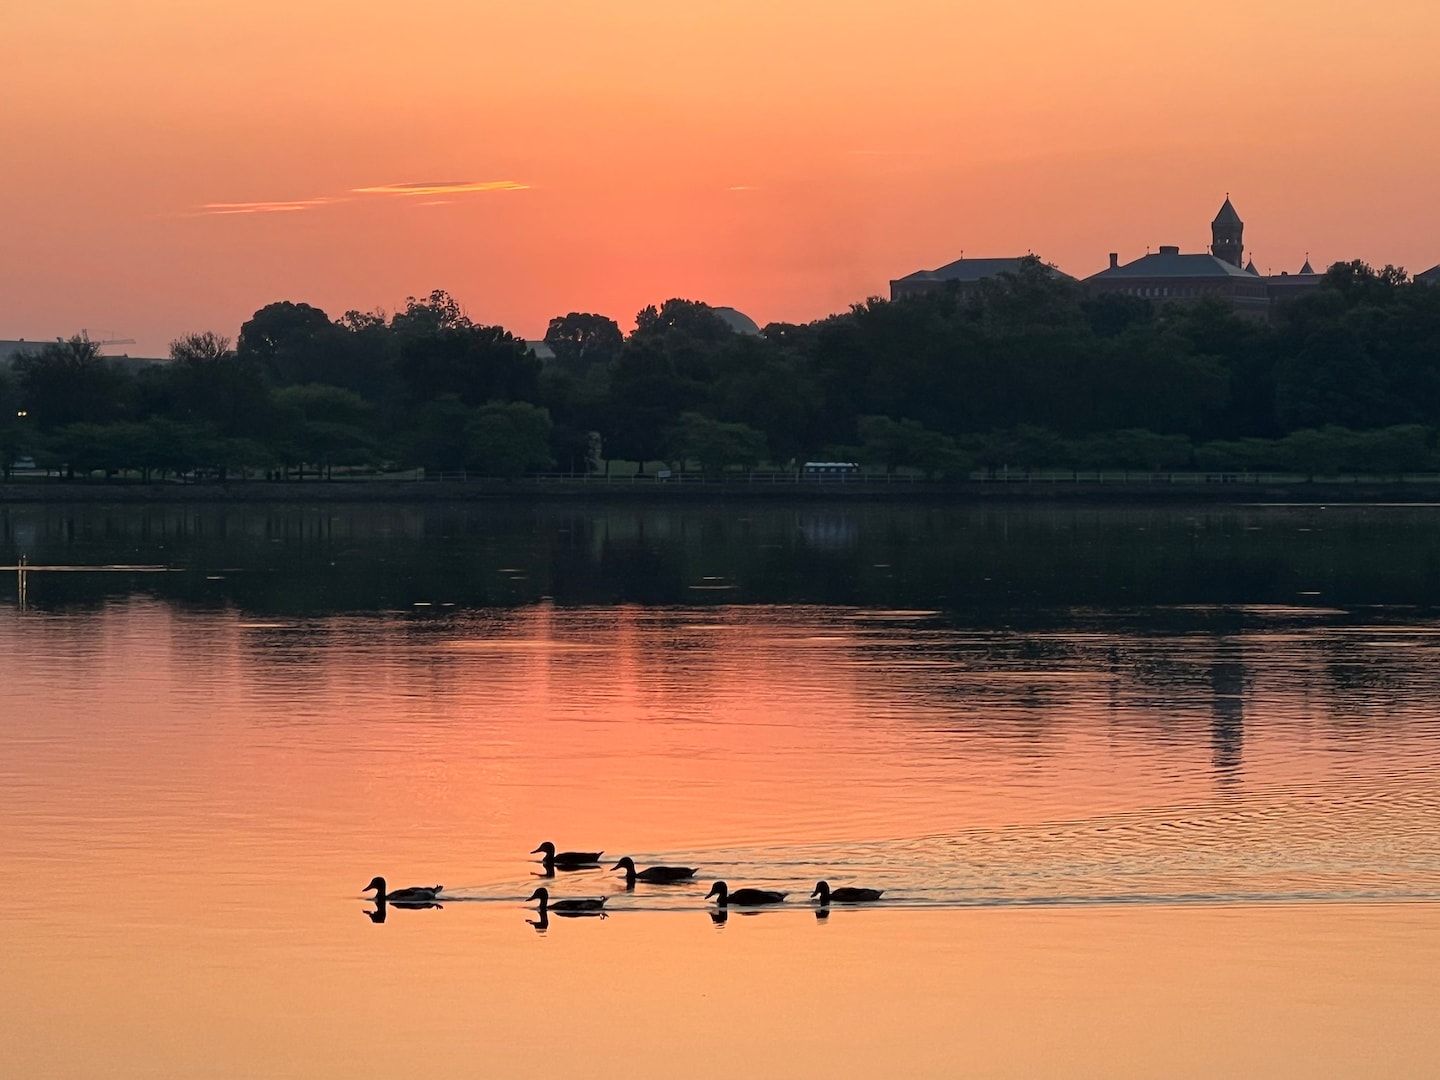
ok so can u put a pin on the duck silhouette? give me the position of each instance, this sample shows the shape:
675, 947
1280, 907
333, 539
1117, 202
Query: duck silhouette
847, 894
744, 897
413, 894
566, 860
653, 875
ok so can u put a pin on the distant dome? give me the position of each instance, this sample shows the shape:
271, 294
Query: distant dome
738, 321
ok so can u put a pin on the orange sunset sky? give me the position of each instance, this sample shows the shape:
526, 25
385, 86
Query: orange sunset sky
171, 165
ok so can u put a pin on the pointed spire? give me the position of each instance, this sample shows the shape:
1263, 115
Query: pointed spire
1307, 268
1227, 214
1250, 268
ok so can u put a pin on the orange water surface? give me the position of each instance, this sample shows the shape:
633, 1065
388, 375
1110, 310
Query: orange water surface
1108, 850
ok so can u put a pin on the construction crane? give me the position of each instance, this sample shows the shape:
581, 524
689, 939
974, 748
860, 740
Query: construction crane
106, 337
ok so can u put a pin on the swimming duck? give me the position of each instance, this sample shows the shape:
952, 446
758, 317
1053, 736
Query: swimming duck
414, 894
744, 897
560, 907
567, 860
653, 875
845, 895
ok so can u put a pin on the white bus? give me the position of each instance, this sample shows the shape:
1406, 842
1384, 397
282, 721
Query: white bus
829, 470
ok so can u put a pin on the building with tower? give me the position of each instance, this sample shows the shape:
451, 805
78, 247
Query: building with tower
1168, 276
1224, 273
1165, 276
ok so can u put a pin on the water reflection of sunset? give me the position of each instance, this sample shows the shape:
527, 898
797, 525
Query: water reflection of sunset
216, 789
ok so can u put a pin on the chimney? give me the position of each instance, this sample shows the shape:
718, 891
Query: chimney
1114, 259
1169, 249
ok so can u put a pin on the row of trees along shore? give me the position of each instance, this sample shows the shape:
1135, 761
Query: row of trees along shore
1025, 373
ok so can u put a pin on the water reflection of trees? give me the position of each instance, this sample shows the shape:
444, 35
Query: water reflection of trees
1167, 623
989, 564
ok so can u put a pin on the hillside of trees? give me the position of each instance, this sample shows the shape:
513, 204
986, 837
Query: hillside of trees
1028, 372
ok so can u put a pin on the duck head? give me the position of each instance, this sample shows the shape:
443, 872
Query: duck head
375, 883
542, 894
719, 890
626, 863
822, 890
547, 848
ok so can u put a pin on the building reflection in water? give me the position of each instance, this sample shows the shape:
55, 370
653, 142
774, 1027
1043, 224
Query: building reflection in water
1227, 711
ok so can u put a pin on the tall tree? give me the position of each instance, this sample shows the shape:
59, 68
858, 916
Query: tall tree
581, 340
69, 381
508, 438
206, 382
294, 344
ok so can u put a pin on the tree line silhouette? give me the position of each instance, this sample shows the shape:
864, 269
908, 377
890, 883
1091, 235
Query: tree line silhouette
1023, 372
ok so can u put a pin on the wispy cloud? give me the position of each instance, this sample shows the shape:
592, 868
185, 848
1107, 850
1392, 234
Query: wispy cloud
427, 190
743, 187
441, 187
279, 206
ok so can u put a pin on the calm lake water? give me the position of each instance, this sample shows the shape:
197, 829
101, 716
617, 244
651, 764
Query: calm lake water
1150, 792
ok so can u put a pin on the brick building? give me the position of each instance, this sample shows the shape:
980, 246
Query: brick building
962, 275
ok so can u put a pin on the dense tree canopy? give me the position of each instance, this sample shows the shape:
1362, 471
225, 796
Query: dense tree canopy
1027, 371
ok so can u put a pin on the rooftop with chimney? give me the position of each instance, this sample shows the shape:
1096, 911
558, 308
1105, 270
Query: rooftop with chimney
1167, 275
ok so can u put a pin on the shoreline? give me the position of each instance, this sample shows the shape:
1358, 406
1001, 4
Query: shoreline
1013, 492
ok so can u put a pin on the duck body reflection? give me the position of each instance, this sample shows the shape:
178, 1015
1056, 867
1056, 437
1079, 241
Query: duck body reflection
586, 905
382, 907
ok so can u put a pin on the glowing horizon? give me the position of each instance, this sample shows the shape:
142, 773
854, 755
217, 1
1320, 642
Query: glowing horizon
178, 169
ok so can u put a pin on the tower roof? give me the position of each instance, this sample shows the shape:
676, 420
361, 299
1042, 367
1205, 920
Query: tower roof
1227, 214
1250, 267
1307, 268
